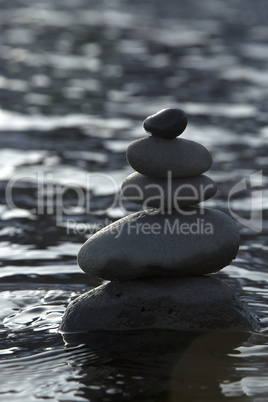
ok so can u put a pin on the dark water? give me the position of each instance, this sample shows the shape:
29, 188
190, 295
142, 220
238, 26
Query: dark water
77, 78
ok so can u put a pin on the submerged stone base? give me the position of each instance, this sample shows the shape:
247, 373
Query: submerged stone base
186, 304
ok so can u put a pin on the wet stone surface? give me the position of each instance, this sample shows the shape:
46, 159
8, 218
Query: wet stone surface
169, 304
168, 123
76, 81
156, 157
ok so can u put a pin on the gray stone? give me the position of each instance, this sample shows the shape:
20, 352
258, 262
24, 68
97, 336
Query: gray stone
167, 123
152, 244
155, 157
167, 194
197, 303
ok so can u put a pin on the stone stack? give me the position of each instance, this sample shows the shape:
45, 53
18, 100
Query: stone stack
157, 258
169, 169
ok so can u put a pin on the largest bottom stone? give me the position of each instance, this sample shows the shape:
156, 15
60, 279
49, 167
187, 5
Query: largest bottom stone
197, 303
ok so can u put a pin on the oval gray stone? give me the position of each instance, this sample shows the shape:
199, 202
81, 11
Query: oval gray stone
152, 244
167, 194
155, 157
167, 123
186, 304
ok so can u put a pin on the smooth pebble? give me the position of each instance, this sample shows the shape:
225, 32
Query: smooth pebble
167, 123
152, 244
167, 194
155, 157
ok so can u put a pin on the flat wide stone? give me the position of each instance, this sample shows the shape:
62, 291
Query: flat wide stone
186, 304
169, 193
152, 244
155, 157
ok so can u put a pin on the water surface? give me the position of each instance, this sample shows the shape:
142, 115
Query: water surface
77, 79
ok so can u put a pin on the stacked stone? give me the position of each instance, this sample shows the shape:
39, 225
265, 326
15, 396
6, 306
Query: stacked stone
176, 237
169, 169
156, 258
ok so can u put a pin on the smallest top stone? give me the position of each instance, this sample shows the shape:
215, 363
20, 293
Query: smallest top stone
168, 123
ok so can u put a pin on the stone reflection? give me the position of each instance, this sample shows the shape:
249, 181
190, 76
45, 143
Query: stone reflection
155, 365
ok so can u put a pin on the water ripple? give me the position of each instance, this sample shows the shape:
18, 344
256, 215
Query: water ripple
76, 82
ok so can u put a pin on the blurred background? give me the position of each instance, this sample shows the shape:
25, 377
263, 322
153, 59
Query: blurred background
77, 79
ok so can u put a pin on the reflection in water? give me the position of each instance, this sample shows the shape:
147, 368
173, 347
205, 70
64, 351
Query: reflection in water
77, 78
164, 365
